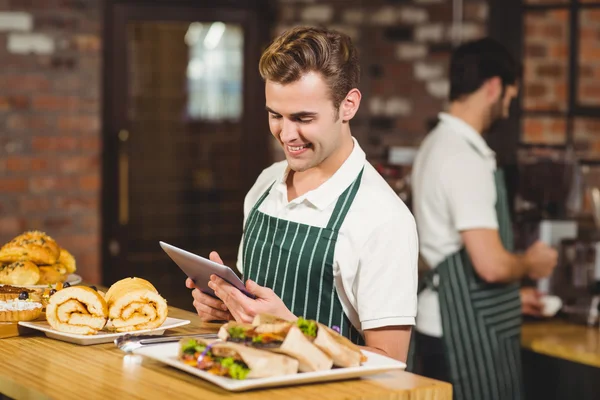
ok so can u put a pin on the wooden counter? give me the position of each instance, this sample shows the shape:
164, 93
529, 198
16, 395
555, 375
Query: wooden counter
561, 360
564, 340
36, 367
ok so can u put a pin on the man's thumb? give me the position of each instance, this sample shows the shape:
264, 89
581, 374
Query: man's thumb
255, 288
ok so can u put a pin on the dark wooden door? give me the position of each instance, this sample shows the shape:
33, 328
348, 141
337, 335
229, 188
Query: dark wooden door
185, 133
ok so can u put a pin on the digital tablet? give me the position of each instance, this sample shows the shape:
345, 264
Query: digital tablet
199, 269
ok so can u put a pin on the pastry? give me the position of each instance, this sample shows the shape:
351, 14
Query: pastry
19, 273
133, 304
77, 309
19, 310
33, 246
8, 292
51, 274
67, 260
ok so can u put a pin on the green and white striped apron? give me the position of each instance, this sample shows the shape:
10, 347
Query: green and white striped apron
481, 322
296, 261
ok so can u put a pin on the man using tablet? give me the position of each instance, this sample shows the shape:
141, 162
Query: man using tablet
325, 237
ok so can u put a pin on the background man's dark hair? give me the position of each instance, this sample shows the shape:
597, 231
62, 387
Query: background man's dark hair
475, 62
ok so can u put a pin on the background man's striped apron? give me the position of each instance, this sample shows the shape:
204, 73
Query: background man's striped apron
481, 322
296, 261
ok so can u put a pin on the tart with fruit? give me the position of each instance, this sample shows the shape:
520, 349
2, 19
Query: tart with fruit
22, 308
8, 292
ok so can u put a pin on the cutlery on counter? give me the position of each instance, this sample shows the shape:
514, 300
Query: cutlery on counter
128, 343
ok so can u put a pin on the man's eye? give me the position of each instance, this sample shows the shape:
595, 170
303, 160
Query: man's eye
275, 116
305, 120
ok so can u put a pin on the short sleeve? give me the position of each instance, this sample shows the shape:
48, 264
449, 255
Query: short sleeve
386, 287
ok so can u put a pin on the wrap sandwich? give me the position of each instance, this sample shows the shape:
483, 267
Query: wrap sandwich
340, 349
233, 360
280, 337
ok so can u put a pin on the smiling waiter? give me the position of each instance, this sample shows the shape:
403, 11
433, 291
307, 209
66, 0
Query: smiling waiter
469, 315
325, 237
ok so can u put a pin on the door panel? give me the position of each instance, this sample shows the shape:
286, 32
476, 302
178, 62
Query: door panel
182, 107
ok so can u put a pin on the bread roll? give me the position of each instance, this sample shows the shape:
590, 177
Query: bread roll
134, 304
20, 273
33, 246
67, 260
78, 310
51, 274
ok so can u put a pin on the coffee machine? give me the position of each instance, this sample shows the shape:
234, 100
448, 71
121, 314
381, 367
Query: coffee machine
548, 207
553, 233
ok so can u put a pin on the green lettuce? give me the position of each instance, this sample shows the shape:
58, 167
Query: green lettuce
236, 332
257, 339
192, 347
309, 328
236, 369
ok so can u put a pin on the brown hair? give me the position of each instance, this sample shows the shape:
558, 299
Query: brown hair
307, 49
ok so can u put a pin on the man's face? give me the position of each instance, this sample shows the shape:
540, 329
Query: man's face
303, 119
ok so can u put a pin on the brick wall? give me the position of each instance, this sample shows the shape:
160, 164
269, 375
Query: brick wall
50, 92
404, 50
50, 123
546, 78
587, 130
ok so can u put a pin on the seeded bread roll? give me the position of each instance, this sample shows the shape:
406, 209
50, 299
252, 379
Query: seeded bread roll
51, 274
33, 246
67, 260
20, 273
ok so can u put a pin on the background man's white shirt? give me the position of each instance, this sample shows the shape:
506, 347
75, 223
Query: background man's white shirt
453, 191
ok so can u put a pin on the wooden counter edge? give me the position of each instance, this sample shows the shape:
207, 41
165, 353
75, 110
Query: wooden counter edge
569, 348
14, 390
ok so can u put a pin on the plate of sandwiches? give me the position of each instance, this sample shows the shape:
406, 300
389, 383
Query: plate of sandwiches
271, 352
33, 259
85, 316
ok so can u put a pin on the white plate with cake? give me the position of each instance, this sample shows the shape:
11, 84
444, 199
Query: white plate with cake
71, 279
102, 336
83, 315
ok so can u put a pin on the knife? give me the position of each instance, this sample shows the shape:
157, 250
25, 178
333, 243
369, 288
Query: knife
129, 342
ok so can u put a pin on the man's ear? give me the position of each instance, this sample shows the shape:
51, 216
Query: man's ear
493, 89
350, 105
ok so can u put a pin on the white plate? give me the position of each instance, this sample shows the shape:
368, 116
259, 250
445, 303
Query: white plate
167, 353
73, 279
102, 336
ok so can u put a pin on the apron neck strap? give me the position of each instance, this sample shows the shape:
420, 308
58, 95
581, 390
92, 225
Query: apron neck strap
341, 207
343, 204
262, 197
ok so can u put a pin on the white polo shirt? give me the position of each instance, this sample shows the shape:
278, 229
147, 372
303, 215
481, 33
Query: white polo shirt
453, 191
375, 259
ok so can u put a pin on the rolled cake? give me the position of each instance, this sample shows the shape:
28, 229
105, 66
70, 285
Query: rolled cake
133, 304
77, 309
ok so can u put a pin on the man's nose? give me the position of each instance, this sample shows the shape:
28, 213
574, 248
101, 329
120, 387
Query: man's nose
289, 131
